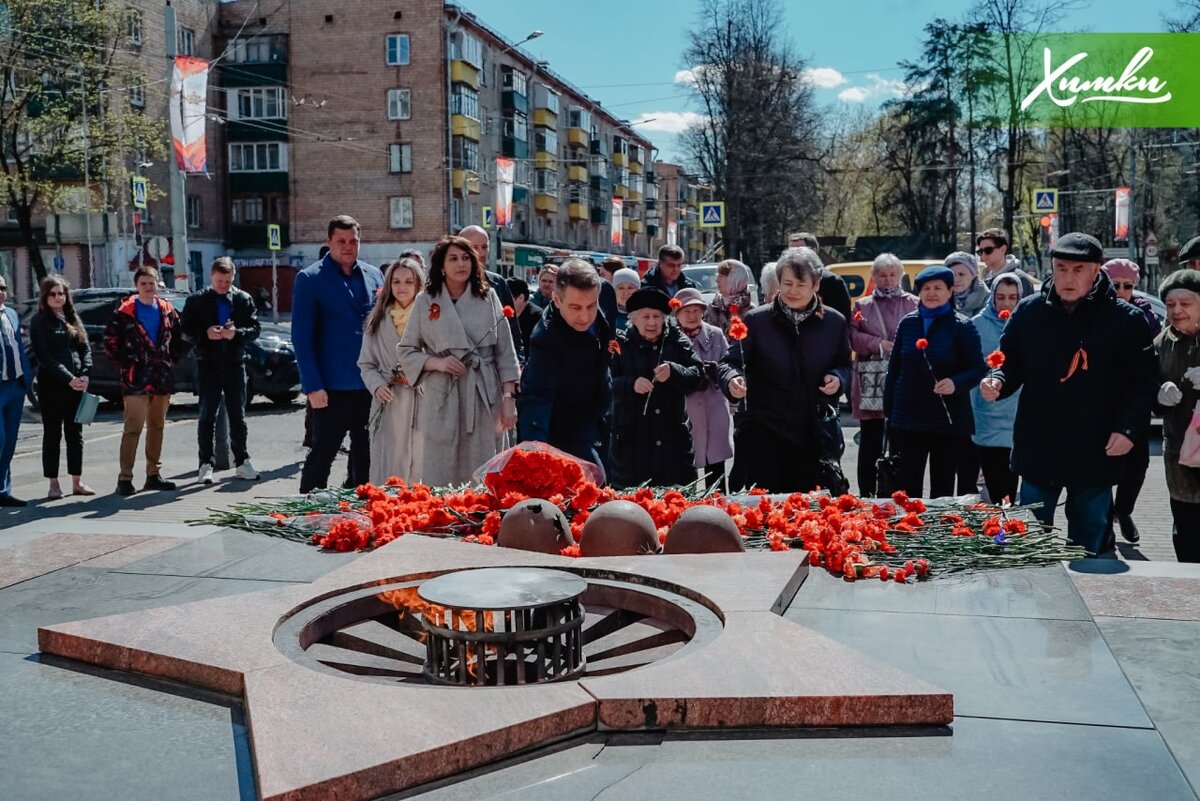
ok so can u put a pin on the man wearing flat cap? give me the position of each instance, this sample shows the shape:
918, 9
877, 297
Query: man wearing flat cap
1189, 254
1086, 362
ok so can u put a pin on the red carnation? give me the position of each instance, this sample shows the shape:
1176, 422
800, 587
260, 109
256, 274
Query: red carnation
738, 329
675, 303
508, 312
858, 317
733, 310
922, 343
1005, 314
995, 359
435, 311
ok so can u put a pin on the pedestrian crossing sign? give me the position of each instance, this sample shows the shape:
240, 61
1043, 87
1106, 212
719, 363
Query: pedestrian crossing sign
489, 217
138, 189
712, 214
1045, 200
274, 241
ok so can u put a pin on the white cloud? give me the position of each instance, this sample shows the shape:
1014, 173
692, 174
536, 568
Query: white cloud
689, 76
669, 122
855, 94
822, 77
877, 87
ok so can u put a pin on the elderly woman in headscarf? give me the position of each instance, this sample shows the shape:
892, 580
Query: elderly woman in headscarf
993, 436
790, 364
733, 294
873, 326
1179, 369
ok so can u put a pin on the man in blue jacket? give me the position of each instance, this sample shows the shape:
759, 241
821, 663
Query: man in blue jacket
15, 381
330, 303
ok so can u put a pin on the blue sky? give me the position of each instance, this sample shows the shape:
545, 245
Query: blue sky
627, 53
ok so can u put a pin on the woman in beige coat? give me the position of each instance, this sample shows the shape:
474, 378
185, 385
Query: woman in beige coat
458, 353
393, 444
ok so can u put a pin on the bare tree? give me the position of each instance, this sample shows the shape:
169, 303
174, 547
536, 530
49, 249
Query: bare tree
1188, 20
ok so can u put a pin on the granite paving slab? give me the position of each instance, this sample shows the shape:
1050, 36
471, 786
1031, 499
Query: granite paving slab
1019, 668
1139, 596
134, 553
51, 552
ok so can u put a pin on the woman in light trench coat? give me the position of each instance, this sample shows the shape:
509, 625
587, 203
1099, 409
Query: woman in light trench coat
458, 353
394, 448
707, 409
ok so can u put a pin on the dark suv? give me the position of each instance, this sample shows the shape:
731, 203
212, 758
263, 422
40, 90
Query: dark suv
270, 367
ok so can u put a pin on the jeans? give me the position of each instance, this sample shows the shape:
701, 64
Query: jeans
148, 412
214, 380
58, 403
348, 411
1087, 511
12, 400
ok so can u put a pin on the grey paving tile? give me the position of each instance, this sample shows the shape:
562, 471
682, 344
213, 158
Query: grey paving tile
1037, 592
77, 593
72, 735
1016, 668
1159, 657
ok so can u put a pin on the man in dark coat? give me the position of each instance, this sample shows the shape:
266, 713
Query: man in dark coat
1087, 366
218, 321
668, 275
832, 289
481, 241
566, 388
654, 370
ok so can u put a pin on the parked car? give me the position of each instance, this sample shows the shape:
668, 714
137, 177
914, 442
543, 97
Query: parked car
270, 367
705, 277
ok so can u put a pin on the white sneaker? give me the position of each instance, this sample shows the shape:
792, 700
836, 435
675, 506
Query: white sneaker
246, 471
204, 475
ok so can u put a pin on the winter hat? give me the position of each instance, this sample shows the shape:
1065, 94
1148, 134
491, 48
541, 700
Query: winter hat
626, 276
964, 258
1122, 270
1078, 247
1190, 250
689, 296
649, 298
934, 272
1180, 279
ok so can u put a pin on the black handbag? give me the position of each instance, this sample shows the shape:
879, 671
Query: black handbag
887, 471
831, 444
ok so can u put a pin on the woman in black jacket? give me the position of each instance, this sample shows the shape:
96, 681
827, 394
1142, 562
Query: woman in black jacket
936, 361
64, 360
653, 370
790, 364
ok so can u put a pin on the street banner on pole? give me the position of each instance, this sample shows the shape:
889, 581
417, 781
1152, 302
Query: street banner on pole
1121, 230
504, 191
189, 91
617, 233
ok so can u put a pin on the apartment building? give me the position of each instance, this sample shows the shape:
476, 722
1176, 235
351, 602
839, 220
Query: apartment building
677, 210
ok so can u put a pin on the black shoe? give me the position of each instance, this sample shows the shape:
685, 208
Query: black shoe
8, 500
157, 483
1129, 529
126, 488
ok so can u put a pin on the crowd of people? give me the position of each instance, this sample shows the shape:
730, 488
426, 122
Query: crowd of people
978, 376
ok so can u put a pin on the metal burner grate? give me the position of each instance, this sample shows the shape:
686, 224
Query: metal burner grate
497, 627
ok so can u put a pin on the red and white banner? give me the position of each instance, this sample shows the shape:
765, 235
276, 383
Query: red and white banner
189, 105
617, 232
1121, 230
672, 232
1053, 231
504, 191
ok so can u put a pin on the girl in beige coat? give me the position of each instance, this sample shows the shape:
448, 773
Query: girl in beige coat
458, 353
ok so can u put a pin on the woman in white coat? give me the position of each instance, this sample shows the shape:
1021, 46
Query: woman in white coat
393, 445
458, 353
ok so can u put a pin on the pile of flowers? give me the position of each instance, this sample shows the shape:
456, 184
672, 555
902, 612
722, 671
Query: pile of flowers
890, 540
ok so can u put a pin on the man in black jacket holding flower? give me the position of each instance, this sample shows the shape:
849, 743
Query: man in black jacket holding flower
218, 321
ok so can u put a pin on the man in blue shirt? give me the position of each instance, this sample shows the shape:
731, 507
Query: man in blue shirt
15, 380
330, 303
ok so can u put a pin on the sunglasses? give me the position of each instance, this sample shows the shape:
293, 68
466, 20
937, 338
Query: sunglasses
985, 251
1125, 286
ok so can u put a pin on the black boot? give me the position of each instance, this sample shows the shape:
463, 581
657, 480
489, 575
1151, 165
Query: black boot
157, 483
126, 488
1129, 529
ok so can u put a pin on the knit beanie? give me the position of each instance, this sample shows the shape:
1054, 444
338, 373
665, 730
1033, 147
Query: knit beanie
966, 259
1122, 270
626, 276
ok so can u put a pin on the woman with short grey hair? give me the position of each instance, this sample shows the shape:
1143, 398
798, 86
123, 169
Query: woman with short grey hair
733, 295
768, 282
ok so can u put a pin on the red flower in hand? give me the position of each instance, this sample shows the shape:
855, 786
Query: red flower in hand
733, 310
508, 312
738, 329
614, 347
435, 311
1005, 314
858, 317
675, 303
995, 359
922, 343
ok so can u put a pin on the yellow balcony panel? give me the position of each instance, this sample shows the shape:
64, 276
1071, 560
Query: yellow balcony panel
635, 226
626, 223
545, 118
462, 72
578, 137
693, 202
696, 244
635, 196
620, 159
577, 174
620, 190
546, 203
461, 125
466, 182
635, 167
544, 160
579, 211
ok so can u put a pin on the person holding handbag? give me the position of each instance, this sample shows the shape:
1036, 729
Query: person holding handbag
873, 325
64, 360
1178, 347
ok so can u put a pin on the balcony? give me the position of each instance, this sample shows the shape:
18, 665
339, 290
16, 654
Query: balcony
625, 223
635, 226
462, 125
600, 184
254, 235
634, 196
545, 203
250, 183
578, 137
652, 231
514, 148
598, 168
545, 118
651, 203
599, 215
577, 173
512, 100
463, 72
465, 181
544, 160
578, 211
620, 159
696, 245
635, 167
621, 190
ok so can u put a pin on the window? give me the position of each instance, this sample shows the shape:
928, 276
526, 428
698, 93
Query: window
465, 101
399, 102
135, 27
579, 118
187, 42
279, 209
620, 145
456, 213
257, 157
465, 154
259, 50
399, 157
246, 210
400, 212
579, 193
464, 47
545, 97
545, 182
265, 103
193, 211
397, 50
137, 93
546, 140
513, 80
517, 127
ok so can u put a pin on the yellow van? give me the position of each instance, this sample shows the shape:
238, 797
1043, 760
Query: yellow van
857, 274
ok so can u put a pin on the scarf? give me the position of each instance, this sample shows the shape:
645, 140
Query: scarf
400, 317
797, 316
928, 315
892, 292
